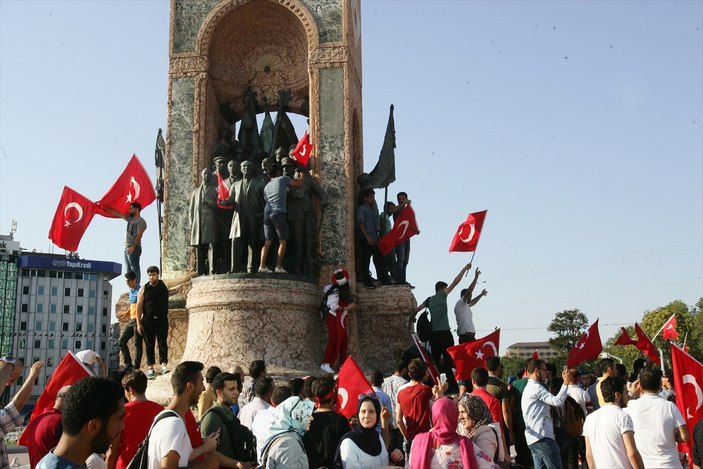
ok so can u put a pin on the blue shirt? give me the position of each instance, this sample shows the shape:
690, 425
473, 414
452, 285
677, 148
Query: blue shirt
133, 294
368, 217
51, 461
276, 194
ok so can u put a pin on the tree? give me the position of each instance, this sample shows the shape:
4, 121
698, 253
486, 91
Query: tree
568, 327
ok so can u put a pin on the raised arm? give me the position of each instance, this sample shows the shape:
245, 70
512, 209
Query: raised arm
116, 213
421, 306
458, 278
481, 295
25, 391
102, 364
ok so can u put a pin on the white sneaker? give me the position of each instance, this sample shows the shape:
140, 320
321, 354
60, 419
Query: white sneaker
164, 370
281, 270
327, 368
265, 270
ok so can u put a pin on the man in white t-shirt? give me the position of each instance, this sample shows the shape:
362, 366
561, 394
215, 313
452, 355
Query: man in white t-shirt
88, 358
609, 433
169, 444
659, 425
462, 310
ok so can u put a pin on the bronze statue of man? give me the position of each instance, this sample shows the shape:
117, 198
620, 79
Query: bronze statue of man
203, 223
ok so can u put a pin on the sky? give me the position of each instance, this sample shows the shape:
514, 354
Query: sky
577, 125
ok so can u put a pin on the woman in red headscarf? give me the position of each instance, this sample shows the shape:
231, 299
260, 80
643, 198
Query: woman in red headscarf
339, 301
442, 446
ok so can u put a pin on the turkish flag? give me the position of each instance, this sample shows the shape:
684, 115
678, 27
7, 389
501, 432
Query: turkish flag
645, 345
133, 185
404, 228
434, 374
68, 372
472, 355
625, 338
468, 233
303, 150
688, 379
586, 348
535, 355
670, 331
351, 382
72, 217
222, 192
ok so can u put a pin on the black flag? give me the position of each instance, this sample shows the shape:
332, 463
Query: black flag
383, 174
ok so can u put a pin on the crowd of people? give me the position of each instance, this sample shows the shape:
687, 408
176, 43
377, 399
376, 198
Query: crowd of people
223, 419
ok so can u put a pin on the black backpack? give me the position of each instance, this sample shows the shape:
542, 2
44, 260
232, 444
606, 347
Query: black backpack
324, 309
424, 326
243, 440
141, 458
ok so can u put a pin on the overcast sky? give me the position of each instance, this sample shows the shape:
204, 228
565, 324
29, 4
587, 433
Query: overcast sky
576, 124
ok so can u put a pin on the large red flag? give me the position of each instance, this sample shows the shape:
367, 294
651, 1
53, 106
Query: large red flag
68, 372
645, 345
303, 150
473, 354
670, 331
404, 228
468, 233
133, 185
434, 374
350, 384
625, 338
688, 379
586, 348
72, 217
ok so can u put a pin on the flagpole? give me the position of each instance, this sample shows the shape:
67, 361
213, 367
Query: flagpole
684, 340
662, 328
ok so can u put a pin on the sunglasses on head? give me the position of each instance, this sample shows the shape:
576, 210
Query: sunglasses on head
371, 395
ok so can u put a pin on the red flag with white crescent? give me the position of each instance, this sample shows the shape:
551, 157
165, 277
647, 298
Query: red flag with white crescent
688, 382
223, 192
68, 372
351, 383
669, 331
71, 219
467, 235
587, 347
303, 150
645, 344
133, 185
404, 228
472, 355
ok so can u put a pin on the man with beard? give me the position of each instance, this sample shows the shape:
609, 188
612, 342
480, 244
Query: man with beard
92, 417
169, 445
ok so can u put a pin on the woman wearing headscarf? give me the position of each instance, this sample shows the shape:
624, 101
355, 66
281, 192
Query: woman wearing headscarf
476, 423
363, 447
442, 447
283, 447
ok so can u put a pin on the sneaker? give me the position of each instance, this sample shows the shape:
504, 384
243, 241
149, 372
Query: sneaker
327, 368
150, 374
265, 270
164, 370
281, 270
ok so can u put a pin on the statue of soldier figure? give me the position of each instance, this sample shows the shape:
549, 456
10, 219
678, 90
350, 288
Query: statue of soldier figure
246, 234
203, 223
224, 214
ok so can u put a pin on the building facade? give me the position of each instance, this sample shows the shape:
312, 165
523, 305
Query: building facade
62, 304
526, 349
9, 250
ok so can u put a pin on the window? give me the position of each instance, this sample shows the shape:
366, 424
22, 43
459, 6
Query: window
77, 345
25, 290
64, 344
37, 344
52, 274
41, 273
65, 327
33, 273
104, 294
102, 345
89, 344
40, 290
80, 292
23, 343
54, 291
79, 327
23, 325
50, 360
104, 311
91, 310
25, 307
52, 327
79, 309
91, 327
25, 272
91, 293
103, 328
52, 309
66, 309
38, 325
67, 291
50, 346
40, 307
68, 275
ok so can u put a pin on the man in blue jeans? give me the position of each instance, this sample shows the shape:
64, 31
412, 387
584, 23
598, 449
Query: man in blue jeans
539, 429
136, 226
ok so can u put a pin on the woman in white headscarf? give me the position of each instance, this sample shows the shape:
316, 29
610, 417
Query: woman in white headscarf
283, 447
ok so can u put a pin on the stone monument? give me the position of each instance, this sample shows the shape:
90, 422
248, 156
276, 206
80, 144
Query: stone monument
309, 50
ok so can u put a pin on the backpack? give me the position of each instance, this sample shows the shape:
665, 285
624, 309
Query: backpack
243, 440
424, 326
573, 418
141, 457
324, 309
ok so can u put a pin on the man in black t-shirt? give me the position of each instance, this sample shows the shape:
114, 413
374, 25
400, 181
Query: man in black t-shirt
152, 320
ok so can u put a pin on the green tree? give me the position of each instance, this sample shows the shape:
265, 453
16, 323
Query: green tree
568, 327
511, 365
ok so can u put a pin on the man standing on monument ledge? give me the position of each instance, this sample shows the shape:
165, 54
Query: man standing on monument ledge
136, 226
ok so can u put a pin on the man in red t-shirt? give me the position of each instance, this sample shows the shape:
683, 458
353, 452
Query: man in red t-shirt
44, 431
479, 380
139, 414
414, 403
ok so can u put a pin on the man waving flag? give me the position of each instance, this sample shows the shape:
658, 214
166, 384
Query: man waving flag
404, 228
72, 217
